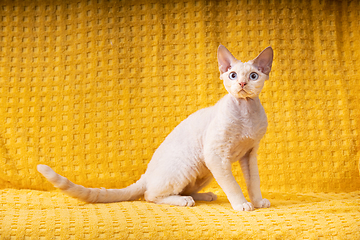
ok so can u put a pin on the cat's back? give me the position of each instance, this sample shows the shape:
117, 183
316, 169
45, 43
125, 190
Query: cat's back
183, 147
193, 127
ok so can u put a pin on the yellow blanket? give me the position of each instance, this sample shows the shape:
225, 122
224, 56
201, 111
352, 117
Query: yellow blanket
50, 215
91, 88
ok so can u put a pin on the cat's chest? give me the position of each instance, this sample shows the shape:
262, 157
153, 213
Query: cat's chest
241, 137
245, 131
241, 127
246, 120
248, 126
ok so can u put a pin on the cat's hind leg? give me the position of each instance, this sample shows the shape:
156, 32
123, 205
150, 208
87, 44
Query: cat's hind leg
183, 201
186, 198
194, 188
169, 194
175, 200
178, 189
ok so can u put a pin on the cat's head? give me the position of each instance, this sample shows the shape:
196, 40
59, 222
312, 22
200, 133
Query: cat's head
244, 80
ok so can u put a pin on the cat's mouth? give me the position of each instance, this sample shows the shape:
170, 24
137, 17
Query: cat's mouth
245, 93
242, 93
243, 90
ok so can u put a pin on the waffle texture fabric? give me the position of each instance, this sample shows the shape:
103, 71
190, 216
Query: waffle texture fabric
91, 88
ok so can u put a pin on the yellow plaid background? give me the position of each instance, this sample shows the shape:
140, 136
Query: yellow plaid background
91, 88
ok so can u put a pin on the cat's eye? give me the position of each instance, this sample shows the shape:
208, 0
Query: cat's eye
232, 75
254, 76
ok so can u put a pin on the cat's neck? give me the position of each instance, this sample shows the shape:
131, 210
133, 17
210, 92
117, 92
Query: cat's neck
242, 102
240, 107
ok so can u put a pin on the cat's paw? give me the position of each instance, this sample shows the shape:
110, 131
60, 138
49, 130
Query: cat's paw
187, 201
263, 203
175, 200
244, 207
209, 196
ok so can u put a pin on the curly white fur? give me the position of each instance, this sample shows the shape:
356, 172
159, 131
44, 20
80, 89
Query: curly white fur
201, 147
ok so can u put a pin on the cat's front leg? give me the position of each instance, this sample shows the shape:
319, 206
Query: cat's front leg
221, 170
250, 171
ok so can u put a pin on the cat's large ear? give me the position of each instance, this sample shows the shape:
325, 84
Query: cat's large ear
225, 59
264, 60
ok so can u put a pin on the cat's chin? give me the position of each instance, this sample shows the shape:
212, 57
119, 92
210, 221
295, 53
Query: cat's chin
242, 95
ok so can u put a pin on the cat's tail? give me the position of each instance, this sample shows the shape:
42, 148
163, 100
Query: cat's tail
93, 195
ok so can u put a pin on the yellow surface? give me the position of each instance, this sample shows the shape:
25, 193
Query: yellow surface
51, 215
91, 88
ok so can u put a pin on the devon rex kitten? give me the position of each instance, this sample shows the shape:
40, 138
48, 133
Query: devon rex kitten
202, 146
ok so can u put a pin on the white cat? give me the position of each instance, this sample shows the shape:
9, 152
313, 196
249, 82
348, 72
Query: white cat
201, 147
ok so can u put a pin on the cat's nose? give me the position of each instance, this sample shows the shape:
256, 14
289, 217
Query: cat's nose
242, 84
